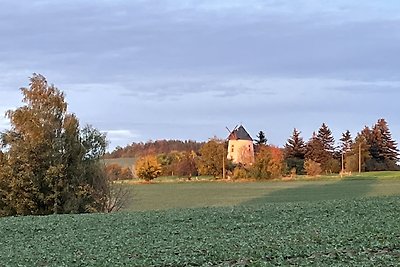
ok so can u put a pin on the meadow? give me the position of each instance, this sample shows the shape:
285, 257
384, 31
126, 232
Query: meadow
331, 221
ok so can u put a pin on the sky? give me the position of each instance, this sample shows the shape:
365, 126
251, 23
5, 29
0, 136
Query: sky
144, 70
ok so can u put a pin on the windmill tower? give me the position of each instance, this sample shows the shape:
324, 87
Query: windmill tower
240, 146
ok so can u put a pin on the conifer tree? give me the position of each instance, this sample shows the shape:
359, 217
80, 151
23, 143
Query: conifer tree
320, 149
295, 151
314, 149
386, 147
382, 148
326, 138
261, 139
295, 146
346, 142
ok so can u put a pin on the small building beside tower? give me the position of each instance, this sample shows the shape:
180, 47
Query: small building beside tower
240, 147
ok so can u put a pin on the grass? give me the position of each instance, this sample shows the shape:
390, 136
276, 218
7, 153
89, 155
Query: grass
123, 162
333, 222
160, 196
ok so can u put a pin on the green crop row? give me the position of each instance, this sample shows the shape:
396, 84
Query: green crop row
323, 233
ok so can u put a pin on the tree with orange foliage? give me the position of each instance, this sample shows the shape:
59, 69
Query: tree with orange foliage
268, 163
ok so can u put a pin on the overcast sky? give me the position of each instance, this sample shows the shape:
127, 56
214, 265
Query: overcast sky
175, 69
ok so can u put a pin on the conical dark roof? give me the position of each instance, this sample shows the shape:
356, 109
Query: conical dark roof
240, 134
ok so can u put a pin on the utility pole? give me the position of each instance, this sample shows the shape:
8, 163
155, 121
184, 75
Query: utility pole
223, 164
359, 158
342, 163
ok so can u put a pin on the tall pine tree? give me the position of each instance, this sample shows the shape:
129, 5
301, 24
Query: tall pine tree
383, 149
346, 142
295, 151
320, 149
295, 146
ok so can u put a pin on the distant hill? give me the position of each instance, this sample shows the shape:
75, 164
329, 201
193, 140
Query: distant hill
136, 150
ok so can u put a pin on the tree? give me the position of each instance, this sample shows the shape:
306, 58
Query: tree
315, 149
187, 166
346, 142
116, 172
51, 165
295, 146
326, 138
321, 149
261, 139
294, 152
148, 168
212, 155
268, 163
383, 149
359, 150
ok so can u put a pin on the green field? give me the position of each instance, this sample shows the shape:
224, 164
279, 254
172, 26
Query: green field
160, 196
333, 222
123, 162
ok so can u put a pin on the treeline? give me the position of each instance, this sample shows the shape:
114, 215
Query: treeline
136, 150
373, 149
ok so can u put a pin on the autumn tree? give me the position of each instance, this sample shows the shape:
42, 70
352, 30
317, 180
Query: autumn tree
268, 163
187, 164
358, 154
115, 172
294, 152
212, 157
147, 168
50, 164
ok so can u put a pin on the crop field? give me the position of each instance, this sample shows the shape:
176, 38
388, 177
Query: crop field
349, 222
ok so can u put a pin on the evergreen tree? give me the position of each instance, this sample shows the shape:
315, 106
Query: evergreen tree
382, 148
346, 142
315, 149
326, 138
295, 151
320, 149
261, 139
386, 147
295, 146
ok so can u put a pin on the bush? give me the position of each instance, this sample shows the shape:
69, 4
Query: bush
295, 163
312, 168
117, 172
240, 173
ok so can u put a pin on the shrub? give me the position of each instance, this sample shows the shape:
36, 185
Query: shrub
312, 168
239, 173
117, 172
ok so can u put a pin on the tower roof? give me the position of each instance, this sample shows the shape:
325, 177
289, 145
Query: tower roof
240, 134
